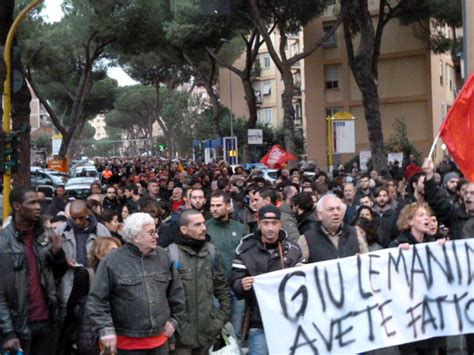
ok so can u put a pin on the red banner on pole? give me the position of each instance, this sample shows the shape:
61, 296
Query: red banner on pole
457, 130
276, 157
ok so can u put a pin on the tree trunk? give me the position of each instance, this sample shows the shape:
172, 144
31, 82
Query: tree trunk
370, 100
252, 121
21, 119
288, 109
364, 65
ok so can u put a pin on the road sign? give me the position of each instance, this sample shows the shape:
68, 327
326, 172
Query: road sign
255, 136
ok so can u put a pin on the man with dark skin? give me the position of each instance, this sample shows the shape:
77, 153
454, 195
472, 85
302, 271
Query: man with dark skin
28, 257
78, 233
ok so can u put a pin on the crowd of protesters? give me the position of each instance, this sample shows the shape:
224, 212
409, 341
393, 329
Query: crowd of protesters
162, 255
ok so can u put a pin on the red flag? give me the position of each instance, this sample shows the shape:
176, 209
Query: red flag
276, 157
457, 130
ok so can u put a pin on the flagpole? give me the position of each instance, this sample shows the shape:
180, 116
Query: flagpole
434, 145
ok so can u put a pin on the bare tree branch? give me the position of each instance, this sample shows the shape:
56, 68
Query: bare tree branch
44, 102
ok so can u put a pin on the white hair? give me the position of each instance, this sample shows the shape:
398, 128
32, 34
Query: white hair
133, 225
322, 200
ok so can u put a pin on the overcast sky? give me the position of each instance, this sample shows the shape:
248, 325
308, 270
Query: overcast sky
53, 13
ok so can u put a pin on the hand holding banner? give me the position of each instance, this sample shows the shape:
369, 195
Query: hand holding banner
369, 301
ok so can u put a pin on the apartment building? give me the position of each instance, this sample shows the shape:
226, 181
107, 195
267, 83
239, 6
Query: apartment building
415, 85
268, 85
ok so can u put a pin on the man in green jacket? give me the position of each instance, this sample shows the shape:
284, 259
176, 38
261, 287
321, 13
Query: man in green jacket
226, 234
202, 274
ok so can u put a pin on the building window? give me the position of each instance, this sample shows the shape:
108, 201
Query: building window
264, 116
298, 111
441, 72
449, 75
267, 88
443, 110
267, 60
295, 49
330, 111
332, 76
331, 41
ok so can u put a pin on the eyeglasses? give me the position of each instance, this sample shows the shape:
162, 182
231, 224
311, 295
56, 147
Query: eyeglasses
152, 233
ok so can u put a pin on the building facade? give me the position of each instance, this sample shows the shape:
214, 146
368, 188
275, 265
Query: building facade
268, 85
416, 86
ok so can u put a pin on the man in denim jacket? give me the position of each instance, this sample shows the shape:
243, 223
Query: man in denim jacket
137, 300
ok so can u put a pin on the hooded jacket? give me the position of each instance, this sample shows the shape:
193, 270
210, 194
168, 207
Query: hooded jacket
68, 233
253, 258
203, 281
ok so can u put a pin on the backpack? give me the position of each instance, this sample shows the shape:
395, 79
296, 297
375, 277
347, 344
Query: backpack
174, 255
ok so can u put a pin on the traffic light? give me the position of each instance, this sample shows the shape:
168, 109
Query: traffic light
162, 147
10, 152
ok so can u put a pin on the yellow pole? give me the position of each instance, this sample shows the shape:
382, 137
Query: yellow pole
330, 143
7, 177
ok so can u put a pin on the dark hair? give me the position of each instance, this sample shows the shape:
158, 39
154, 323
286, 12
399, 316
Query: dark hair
184, 217
379, 189
222, 183
151, 206
369, 228
18, 194
58, 218
268, 192
91, 203
223, 194
414, 179
286, 190
359, 210
108, 216
133, 188
304, 201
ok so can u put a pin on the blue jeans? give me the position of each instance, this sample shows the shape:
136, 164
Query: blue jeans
257, 342
237, 316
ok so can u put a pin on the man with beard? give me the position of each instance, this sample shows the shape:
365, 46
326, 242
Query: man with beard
197, 200
226, 234
450, 184
202, 274
349, 191
58, 203
387, 216
460, 221
78, 233
304, 209
266, 250
110, 201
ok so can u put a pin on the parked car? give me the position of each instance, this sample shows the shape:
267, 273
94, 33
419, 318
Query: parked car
90, 170
79, 187
47, 177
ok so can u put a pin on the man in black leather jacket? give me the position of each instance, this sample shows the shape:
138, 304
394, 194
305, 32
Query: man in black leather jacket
29, 260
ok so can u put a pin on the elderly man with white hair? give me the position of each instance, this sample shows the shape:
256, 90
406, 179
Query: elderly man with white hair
137, 300
330, 238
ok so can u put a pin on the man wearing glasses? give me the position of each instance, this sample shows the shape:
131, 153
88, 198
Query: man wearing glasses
137, 300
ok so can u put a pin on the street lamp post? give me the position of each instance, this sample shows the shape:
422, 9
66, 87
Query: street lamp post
7, 177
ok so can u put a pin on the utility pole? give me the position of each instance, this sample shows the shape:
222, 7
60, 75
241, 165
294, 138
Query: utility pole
468, 39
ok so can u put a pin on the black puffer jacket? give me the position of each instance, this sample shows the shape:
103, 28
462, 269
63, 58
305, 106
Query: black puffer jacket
252, 259
14, 299
448, 214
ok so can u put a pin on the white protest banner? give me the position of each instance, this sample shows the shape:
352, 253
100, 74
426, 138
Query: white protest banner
369, 301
